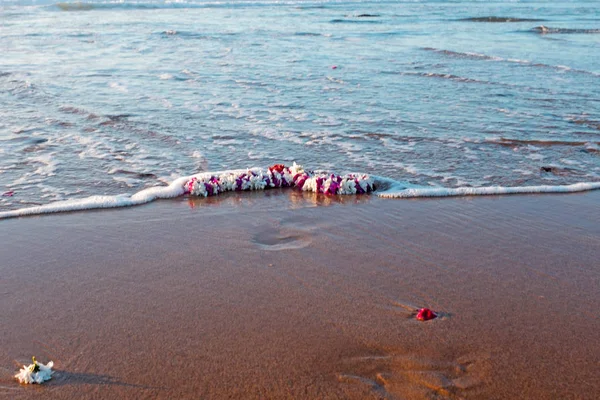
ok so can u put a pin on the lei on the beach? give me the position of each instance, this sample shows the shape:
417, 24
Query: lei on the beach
35, 373
277, 176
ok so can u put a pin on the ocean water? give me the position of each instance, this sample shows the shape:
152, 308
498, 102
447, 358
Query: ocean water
110, 98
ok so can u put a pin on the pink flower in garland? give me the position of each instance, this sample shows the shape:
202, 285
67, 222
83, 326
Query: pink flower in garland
190, 185
299, 180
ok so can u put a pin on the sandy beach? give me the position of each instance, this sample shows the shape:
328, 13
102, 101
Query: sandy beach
281, 294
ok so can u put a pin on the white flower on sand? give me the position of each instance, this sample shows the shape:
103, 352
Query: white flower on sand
35, 373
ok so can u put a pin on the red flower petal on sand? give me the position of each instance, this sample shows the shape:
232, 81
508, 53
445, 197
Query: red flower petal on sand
425, 314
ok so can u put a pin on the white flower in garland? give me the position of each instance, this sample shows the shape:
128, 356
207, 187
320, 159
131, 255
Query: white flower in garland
287, 178
196, 187
310, 185
243, 182
347, 186
296, 169
329, 185
227, 182
276, 179
366, 183
35, 373
256, 181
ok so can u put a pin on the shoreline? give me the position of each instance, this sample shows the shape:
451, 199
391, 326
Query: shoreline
280, 294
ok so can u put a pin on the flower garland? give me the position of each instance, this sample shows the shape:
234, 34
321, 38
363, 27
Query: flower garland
277, 176
35, 373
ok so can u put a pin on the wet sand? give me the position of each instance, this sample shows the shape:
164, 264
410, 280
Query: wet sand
283, 295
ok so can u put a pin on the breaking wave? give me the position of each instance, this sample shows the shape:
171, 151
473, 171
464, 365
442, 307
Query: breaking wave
386, 188
180, 4
509, 142
485, 57
547, 30
500, 19
446, 76
354, 21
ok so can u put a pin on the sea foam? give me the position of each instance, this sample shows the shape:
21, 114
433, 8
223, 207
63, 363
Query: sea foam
402, 193
387, 188
174, 189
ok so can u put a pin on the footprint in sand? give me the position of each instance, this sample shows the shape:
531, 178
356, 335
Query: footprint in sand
405, 376
278, 239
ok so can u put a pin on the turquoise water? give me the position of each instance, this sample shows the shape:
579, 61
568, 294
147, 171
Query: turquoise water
110, 98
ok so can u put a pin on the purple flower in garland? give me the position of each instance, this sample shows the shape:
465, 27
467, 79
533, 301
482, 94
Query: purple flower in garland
239, 182
276, 181
320, 184
369, 186
359, 189
334, 186
209, 188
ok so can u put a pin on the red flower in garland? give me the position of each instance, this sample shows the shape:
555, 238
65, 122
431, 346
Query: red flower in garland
277, 167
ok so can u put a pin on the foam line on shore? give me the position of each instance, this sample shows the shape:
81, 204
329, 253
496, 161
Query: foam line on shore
96, 202
174, 189
414, 192
388, 188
